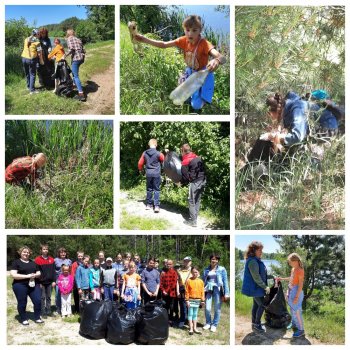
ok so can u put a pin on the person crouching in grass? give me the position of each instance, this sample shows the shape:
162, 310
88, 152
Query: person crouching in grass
17, 172
197, 51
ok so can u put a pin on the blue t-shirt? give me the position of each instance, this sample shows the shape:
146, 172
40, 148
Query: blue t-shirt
150, 277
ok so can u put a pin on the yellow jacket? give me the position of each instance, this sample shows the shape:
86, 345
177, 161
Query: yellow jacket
31, 48
57, 53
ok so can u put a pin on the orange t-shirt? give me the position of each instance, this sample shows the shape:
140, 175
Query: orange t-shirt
295, 276
194, 60
131, 281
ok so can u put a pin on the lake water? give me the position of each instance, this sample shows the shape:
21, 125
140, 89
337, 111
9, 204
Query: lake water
268, 263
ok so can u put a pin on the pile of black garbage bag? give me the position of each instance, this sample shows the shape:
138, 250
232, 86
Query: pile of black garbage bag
105, 319
276, 312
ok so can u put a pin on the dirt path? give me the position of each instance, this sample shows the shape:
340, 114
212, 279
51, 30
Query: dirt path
136, 207
273, 336
100, 93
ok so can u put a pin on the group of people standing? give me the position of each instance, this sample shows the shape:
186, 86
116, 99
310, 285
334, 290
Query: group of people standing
193, 174
38, 55
255, 285
126, 280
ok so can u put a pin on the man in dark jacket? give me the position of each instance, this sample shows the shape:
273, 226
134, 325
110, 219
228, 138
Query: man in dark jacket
152, 160
193, 173
47, 278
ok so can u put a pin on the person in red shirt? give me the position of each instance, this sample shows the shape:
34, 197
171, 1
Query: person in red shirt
47, 278
193, 173
197, 51
169, 287
21, 168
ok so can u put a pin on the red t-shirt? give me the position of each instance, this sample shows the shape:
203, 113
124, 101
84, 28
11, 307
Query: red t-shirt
194, 60
19, 169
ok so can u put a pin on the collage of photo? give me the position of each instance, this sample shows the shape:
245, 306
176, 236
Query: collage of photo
128, 224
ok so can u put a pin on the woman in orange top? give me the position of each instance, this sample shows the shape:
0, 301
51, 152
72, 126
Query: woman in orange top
58, 54
194, 296
197, 51
295, 294
20, 168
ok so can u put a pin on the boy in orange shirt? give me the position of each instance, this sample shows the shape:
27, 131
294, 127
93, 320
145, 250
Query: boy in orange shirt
194, 296
57, 53
196, 54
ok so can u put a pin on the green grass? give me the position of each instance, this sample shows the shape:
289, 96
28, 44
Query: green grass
328, 327
275, 204
133, 222
150, 77
18, 101
76, 189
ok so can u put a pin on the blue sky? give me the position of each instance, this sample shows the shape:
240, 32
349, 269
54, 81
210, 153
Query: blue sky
39, 15
216, 20
269, 243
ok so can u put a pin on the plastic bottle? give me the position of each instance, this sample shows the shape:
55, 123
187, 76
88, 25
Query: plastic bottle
188, 87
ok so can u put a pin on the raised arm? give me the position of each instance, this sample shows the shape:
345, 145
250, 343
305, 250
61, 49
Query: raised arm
157, 43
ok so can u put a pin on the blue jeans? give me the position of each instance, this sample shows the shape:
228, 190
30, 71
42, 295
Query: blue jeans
183, 310
22, 291
153, 186
75, 71
108, 292
296, 309
29, 67
210, 296
257, 310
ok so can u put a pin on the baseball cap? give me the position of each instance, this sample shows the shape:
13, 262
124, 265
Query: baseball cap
109, 259
187, 258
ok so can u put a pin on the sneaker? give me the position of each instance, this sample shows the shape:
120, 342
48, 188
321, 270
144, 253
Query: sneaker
25, 323
190, 223
206, 327
156, 209
39, 321
213, 329
148, 207
80, 97
259, 328
298, 334
33, 92
181, 324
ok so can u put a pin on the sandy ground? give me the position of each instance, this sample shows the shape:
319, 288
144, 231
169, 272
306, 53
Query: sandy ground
136, 207
100, 93
273, 336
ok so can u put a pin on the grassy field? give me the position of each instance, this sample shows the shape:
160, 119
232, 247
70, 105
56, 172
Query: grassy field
58, 331
76, 188
150, 77
275, 203
328, 326
99, 58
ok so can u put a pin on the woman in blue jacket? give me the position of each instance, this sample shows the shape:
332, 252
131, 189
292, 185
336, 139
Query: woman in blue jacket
217, 289
255, 283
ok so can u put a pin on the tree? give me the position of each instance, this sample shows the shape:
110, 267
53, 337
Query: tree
323, 257
86, 31
282, 48
103, 18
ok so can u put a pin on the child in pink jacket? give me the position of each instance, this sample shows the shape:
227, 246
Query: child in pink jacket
65, 285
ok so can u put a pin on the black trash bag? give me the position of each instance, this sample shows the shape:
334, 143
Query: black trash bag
65, 84
261, 151
153, 327
93, 319
121, 326
276, 312
172, 167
